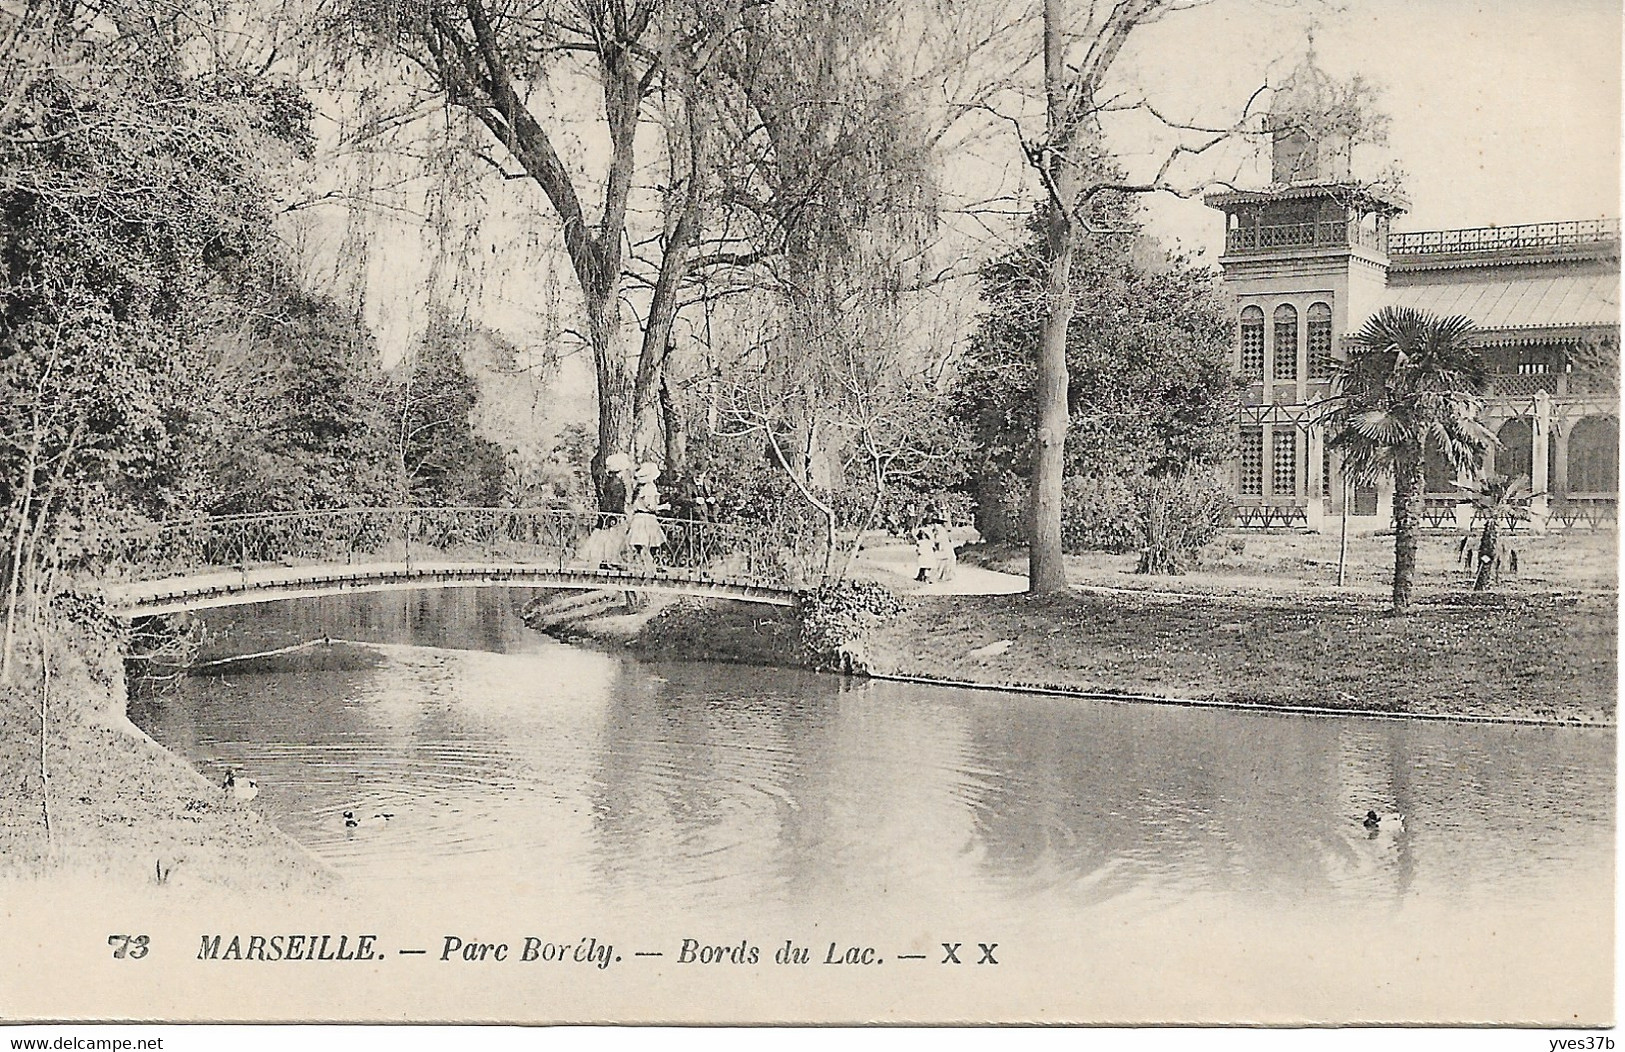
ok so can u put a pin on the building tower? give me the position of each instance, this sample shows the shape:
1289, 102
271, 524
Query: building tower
1306, 259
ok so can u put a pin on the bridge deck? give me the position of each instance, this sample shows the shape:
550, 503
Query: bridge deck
268, 583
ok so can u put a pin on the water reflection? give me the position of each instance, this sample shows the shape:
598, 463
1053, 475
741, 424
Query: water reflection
534, 770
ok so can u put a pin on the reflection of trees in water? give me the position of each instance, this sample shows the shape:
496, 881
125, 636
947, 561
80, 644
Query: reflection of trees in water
270, 699
704, 773
1104, 798
765, 786
461, 618
1496, 809
213, 720
1077, 795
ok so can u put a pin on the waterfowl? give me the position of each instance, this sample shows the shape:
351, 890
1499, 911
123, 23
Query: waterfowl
352, 820
240, 791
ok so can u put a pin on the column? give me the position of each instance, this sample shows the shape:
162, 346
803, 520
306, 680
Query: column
1539, 481
1384, 519
1317, 506
1463, 511
1560, 463
1266, 473
1300, 389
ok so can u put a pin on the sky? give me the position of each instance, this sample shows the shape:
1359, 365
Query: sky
1501, 112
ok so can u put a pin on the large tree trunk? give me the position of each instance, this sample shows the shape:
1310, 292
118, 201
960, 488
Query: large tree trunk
616, 420
675, 429
1046, 570
1408, 489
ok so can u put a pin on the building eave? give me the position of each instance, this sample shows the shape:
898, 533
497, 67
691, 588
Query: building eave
1389, 201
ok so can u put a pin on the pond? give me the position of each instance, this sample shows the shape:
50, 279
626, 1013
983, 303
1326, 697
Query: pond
1133, 862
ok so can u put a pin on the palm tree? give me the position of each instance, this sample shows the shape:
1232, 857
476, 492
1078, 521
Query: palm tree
1497, 498
1412, 381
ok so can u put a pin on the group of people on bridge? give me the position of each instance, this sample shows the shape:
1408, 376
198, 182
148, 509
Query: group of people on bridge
643, 496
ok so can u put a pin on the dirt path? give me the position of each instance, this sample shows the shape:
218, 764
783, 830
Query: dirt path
892, 563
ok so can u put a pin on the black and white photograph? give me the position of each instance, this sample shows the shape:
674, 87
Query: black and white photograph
1098, 513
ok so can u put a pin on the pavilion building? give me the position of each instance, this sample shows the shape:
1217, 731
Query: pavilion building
1310, 258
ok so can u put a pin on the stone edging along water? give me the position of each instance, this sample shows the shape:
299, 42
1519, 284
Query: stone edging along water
1122, 698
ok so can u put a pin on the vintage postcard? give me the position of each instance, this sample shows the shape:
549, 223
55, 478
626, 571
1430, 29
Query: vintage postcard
809, 511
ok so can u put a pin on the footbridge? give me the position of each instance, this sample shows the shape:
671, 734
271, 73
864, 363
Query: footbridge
232, 560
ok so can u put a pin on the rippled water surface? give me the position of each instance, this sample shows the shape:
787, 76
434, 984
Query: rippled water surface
1152, 842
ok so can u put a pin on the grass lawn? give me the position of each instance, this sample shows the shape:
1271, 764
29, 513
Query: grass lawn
1261, 620
1538, 657
1276, 563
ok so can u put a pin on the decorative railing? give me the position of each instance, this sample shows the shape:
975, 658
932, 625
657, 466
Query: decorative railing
1247, 516
1590, 511
1313, 234
1439, 512
1574, 512
1561, 385
1583, 513
505, 537
1525, 385
1504, 238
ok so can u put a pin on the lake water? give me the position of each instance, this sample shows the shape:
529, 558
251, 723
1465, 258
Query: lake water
1133, 862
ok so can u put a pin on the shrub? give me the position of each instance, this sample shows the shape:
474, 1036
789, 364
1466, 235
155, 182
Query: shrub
1100, 513
835, 619
1173, 516
1001, 507
1177, 516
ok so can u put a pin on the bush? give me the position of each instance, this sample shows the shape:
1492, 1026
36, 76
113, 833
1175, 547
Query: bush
1100, 513
1173, 516
835, 619
1001, 507
1177, 516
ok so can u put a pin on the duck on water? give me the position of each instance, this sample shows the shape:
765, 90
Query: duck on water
1374, 822
239, 790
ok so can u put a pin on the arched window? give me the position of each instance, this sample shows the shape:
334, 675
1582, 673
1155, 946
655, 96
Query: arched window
1516, 455
1594, 456
1252, 343
1321, 362
1437, 474
1286, 342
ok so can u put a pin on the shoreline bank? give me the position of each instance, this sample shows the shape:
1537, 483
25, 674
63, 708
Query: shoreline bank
1545, 659
98, 798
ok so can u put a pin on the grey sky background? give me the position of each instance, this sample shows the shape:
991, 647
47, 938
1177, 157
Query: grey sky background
1502, 112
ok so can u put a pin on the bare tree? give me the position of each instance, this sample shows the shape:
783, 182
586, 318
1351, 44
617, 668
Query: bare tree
1080, 48
512, 68
845, 368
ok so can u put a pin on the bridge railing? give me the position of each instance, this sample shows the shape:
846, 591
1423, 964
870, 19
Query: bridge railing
563, 540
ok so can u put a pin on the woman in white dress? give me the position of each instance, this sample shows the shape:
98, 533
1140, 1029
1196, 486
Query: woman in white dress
605, 546
644, 534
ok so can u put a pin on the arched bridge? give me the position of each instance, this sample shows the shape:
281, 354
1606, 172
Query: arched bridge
231, 560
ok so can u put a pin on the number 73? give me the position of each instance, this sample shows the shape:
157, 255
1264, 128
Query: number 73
131, 946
